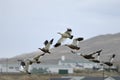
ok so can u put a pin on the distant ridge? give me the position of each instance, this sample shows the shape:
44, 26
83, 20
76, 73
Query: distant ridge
110, 43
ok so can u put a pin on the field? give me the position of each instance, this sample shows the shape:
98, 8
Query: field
47, 76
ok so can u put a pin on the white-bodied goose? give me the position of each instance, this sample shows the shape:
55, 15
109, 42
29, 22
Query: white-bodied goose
47, 46
74, 44
90, 56
25, 64
110, 62
64, 36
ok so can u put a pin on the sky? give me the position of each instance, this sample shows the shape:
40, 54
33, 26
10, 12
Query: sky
26, 24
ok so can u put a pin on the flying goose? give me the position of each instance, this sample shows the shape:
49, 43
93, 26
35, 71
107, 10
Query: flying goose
74, 44
90, 56
25, 64
47, 46
97, 60
109, 63
36, 58
65, 35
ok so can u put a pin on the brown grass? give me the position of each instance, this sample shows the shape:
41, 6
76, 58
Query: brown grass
47, 76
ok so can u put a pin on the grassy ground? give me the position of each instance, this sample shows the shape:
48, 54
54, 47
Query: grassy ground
47, 76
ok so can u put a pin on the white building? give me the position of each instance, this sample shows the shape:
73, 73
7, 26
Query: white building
9, 68
54, 68
82, 64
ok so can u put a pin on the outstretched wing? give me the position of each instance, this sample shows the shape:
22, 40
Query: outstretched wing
46, 42
112, 57
99, 51
93, 53
76, 40
51, 41
27, 67
22, 66
38, 56
61, 40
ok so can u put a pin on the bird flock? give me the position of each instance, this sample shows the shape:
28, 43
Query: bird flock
94, 57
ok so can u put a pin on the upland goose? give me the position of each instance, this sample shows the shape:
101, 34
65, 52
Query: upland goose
65, 35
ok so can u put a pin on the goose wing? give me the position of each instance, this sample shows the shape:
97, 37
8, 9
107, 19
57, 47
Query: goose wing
47, 46
61, 40
76, 40
51, 41
36, 58
27, 67
99, 51
112, 58
46, 42
95, 60
22, 66
92, 53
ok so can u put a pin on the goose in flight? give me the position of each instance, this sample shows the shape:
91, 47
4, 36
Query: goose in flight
65, 35
109, 63
90, 56
47, 46
25, 64
36, 58
97, 60
74, 44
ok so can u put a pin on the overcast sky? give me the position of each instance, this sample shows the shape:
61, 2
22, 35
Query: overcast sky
26, 24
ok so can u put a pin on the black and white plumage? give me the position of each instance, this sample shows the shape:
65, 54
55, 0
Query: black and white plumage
97, 60
26, 64
47, 46
74, 44
64, 36
110, 62
90, 56
36, 58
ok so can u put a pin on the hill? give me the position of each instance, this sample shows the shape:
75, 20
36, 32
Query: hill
110, 43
